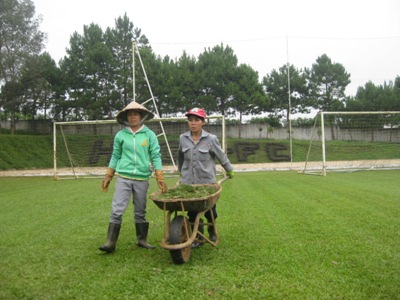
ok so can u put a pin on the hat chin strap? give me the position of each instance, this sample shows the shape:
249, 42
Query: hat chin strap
144, 118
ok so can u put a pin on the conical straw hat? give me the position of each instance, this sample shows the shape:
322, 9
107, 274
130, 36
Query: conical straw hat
146, 114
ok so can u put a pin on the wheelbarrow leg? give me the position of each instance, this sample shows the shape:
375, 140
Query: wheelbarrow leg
211, 233
199, 239
211, 216
212, 228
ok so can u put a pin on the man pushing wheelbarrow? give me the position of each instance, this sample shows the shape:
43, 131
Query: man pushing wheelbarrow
197, 154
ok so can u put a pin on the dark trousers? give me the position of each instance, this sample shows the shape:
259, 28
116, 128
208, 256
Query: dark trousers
192, 214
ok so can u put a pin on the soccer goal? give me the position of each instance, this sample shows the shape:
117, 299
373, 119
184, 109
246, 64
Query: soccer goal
83, 148
351, 141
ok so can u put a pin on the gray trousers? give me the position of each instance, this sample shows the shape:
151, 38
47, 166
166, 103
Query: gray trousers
124, 188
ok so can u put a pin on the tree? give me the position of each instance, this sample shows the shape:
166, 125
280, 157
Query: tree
396, 88
163, 73
41, 79
248, 96
327, 84
11, 99
153, 73
20, 38
382, 97
277, 88
215, 70
98, 70
373, 97
119, 41
181, 87
89, 73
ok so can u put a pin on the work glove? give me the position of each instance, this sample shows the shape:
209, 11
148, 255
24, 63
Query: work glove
230, 174
106, 181
160, 181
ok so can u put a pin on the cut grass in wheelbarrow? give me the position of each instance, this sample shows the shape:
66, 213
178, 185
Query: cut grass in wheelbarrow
184, 191
184, 197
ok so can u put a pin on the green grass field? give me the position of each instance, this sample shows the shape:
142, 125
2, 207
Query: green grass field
282, 236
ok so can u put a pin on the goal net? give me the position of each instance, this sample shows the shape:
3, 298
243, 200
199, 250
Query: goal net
350, 141
83, 149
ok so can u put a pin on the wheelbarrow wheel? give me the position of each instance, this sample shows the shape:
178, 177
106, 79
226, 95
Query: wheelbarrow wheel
177, 235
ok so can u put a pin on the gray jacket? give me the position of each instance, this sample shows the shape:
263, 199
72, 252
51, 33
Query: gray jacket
196, 162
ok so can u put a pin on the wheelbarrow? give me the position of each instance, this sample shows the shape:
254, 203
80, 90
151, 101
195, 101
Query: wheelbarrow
180, 234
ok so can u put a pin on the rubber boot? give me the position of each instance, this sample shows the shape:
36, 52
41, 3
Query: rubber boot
211, 233
141, 231
112, 237
199, 242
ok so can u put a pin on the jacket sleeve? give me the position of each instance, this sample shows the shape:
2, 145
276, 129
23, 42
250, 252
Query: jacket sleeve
180, 155
155, 152
117, 151
220, 154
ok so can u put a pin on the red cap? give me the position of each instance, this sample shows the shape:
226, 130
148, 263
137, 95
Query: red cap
196, 112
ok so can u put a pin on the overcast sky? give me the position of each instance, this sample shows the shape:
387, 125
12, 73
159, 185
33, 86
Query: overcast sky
362, 35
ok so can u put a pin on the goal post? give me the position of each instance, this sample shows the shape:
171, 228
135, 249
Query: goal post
82, 149
351, 141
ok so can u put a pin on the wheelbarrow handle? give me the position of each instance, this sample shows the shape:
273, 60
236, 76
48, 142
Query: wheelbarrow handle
222, 180
219, 182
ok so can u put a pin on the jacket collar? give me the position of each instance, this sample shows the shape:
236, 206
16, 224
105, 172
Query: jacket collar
189, 134
141, 129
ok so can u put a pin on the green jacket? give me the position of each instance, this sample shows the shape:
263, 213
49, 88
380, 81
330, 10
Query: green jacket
134, 153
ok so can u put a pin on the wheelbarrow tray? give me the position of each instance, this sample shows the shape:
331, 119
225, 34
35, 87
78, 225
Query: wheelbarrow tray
188, 204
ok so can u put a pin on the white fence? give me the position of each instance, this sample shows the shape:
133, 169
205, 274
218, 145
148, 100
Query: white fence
253, 131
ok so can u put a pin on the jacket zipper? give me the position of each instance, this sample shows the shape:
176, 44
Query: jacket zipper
134, 154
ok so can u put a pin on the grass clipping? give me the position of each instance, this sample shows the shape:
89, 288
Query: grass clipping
185, 191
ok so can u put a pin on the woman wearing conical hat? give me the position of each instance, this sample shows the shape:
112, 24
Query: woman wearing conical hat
135, 151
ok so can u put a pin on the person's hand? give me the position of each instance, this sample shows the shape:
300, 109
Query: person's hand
106, 181
230, 174
160, 181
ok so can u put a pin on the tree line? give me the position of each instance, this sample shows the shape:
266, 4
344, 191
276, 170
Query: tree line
95, 77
